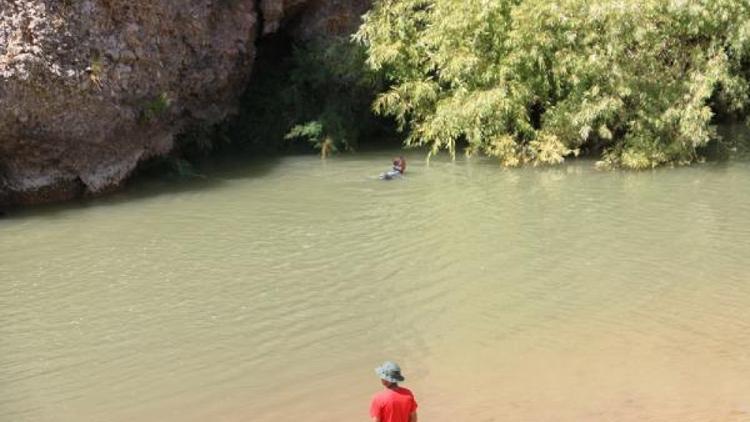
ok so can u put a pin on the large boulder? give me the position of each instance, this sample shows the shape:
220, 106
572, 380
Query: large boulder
91, 88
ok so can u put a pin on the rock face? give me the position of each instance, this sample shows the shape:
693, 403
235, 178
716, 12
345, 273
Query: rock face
329, 17
307, 19
90, 88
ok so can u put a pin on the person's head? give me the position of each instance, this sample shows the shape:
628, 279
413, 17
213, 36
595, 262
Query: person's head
389, 373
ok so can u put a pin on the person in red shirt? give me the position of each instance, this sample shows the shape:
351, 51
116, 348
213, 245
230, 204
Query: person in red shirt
394, 404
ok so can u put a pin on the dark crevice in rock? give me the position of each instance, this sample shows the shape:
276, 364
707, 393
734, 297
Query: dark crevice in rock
259, 14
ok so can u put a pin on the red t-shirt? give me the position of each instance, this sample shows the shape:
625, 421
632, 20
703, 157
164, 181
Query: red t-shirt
394, 405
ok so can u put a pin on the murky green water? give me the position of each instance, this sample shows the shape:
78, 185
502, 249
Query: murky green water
269, 292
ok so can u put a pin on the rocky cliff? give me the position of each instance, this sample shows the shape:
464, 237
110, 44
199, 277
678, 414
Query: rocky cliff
91, 88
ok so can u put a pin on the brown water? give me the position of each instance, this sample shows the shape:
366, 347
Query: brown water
270, 292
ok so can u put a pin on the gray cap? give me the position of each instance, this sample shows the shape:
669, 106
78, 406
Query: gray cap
389, 371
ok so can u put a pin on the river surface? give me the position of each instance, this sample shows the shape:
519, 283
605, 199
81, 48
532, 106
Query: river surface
269, 292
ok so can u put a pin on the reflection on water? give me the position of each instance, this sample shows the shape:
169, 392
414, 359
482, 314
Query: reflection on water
270, 292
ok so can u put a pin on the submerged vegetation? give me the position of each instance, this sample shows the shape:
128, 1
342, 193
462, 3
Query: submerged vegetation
638, 83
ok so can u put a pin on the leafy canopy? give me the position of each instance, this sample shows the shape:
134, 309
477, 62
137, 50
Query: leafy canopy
535, 81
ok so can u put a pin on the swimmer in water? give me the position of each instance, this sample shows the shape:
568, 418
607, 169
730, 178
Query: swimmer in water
399, 166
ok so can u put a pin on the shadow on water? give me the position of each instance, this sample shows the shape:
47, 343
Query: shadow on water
737, 139
215, 171
209, 173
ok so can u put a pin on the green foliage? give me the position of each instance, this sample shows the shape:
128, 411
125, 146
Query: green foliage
320, 94
535, 81
155, 107
314, 133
